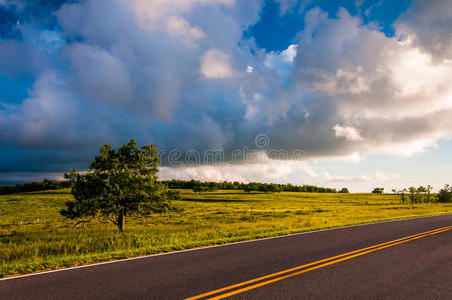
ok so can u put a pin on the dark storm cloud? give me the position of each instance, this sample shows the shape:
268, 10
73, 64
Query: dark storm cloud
179, 74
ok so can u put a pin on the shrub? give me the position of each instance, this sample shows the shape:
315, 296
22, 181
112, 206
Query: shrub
378, 190
445, 194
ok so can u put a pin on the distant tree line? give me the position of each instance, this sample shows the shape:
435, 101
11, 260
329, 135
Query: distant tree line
423, 194
198, 186
195, 185
35, 186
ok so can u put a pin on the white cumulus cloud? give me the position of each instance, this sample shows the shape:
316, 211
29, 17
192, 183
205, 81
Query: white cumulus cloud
215, 64
349, 132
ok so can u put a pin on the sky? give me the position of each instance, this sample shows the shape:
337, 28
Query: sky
352, 93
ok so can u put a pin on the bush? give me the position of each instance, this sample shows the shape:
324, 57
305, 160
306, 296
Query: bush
445, 194
414, 195
174, 194
378, 190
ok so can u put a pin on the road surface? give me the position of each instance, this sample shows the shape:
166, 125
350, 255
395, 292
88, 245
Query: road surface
409, 259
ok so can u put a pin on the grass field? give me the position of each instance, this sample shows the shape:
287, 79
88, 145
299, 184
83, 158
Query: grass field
35, 237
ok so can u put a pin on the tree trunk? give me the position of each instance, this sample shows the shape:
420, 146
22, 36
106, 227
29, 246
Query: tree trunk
121, 221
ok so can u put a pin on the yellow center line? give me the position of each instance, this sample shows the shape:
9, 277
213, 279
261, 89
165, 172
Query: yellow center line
348, 255
317, 267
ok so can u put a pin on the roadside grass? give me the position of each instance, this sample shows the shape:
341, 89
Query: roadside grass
34, 237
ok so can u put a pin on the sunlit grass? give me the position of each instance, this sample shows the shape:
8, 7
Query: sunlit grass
35, 237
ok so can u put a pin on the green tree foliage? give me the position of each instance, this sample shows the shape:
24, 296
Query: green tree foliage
344, 191
205, 187
428, 195
119, 183
445, 194
174, 194
270, 188
403, 197
415, 195
378, 190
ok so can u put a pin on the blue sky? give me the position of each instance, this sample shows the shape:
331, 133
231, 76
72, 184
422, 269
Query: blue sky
361, 88
276, 30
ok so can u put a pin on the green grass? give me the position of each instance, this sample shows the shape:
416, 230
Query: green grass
34, 237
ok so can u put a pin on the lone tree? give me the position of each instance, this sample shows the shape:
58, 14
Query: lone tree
119, 183
378, 190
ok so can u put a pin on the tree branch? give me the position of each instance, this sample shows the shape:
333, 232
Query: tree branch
112, 220
83, 222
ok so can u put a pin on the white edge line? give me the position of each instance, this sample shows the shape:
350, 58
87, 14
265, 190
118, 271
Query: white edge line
214, 246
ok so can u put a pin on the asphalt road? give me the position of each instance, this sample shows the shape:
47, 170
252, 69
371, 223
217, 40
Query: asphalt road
418, 267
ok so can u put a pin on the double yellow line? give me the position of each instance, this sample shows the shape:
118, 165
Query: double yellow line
260, 281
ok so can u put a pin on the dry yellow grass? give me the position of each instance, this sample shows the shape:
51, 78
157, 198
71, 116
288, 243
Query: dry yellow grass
35, 237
